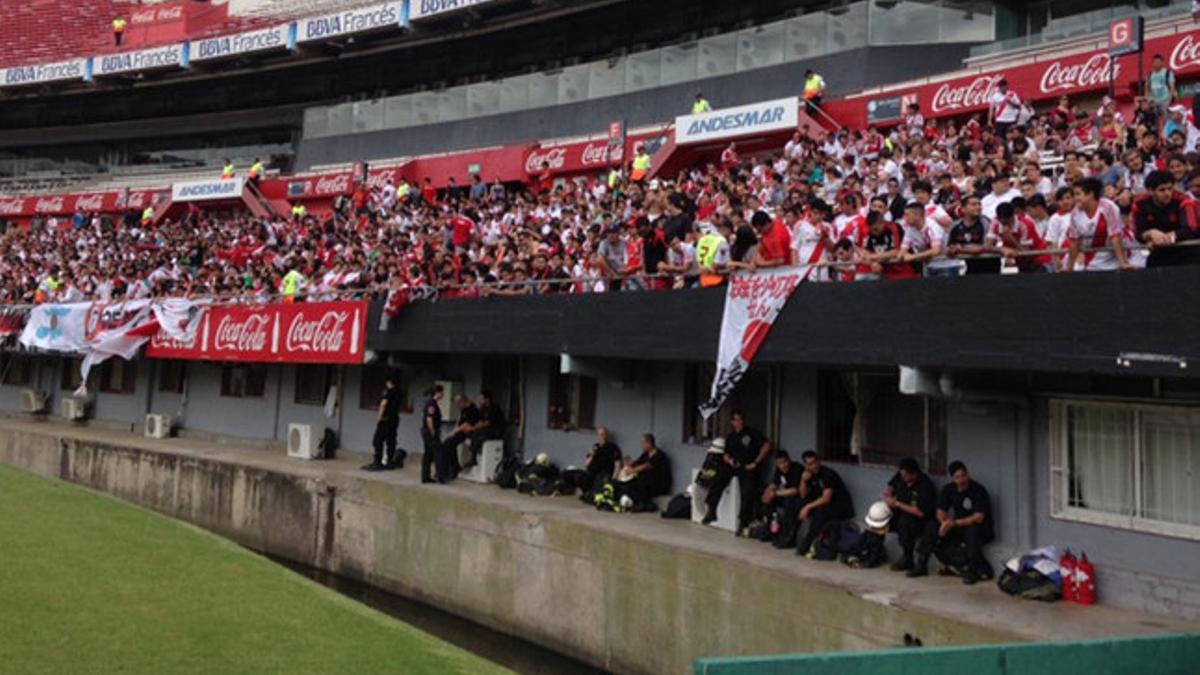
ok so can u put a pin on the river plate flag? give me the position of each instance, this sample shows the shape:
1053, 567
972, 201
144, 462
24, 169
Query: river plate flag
752, 302
178, 319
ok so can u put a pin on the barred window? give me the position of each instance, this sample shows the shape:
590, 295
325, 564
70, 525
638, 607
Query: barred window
1126, 465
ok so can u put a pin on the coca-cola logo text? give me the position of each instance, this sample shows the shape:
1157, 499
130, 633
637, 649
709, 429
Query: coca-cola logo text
158, 14
333, 185
971, 95
48, 205
595, 154
1186, 54
12, 207
89, 202
248, 335
378, 180
324, 334
554, 158
1091, 73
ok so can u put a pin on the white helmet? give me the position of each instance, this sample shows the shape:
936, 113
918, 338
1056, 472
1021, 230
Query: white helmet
878, 516
717, 447
626, 502
542, 459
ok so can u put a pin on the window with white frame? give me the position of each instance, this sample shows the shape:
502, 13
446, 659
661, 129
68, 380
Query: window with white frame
1126, 465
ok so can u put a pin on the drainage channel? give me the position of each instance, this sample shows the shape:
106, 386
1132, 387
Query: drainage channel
512, 653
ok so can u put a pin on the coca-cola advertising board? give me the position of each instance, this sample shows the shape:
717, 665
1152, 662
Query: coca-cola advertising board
314, 332
577, 157
1044, 81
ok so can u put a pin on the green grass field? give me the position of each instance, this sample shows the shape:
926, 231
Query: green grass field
89, 584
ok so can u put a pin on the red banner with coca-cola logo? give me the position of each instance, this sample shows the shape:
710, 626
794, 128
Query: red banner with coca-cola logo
99, 202
578, 157
1046, 80
313, 332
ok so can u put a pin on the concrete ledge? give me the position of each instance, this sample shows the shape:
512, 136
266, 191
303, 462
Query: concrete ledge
629, 593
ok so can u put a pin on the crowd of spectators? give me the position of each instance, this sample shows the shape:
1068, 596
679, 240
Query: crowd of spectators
1007, 191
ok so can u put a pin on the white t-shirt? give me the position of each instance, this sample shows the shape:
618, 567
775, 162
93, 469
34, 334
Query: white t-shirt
918, 241
991, 200
806, 237
1094, 231
934, 213
1006, 107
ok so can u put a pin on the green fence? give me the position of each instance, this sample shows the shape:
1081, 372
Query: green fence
1160, 655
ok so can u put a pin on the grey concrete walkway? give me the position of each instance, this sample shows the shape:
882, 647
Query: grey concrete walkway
982, 604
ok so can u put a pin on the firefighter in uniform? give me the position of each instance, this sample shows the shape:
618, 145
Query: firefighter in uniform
431, 427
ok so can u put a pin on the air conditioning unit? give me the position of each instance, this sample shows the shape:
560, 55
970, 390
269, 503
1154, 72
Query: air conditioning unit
33, 401
73, 409
450, 389
158, 426
300, 442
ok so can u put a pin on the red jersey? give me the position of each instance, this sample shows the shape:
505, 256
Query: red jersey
776, 243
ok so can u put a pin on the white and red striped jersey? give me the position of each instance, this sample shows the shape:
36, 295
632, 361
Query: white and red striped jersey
1093, 231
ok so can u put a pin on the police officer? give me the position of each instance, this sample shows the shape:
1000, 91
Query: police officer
431, 429
385, 429
912, 497
746, 449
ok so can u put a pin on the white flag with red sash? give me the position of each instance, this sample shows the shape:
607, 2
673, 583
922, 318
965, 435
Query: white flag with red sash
753, 300
177, 318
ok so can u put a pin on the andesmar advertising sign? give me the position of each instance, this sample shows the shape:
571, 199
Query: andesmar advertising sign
743, 120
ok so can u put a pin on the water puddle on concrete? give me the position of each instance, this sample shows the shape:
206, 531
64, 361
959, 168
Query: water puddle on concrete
505, 650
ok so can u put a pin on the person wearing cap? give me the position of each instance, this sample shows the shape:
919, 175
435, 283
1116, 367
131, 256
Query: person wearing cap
912, 497
746, 449
1002, 192
1163, 217
700, 106
964, 515
823, 498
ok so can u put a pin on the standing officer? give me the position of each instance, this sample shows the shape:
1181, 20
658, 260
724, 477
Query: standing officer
745, 451
431, 429
385, 429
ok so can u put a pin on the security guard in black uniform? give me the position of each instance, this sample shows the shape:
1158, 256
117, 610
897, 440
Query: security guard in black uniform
431, 430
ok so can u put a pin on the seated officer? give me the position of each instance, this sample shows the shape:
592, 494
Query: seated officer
782, 499
964, 515
824, 500
912, 497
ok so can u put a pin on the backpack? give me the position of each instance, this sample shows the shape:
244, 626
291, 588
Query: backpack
1029, 584
680, 506
328, 445
867, 551
506, 473
835, 538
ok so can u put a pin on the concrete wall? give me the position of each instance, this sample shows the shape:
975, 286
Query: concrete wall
1003, 441
1149, 572
625, 602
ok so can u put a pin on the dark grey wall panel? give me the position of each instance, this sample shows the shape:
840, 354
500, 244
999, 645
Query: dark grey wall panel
1067, 322
845, 72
